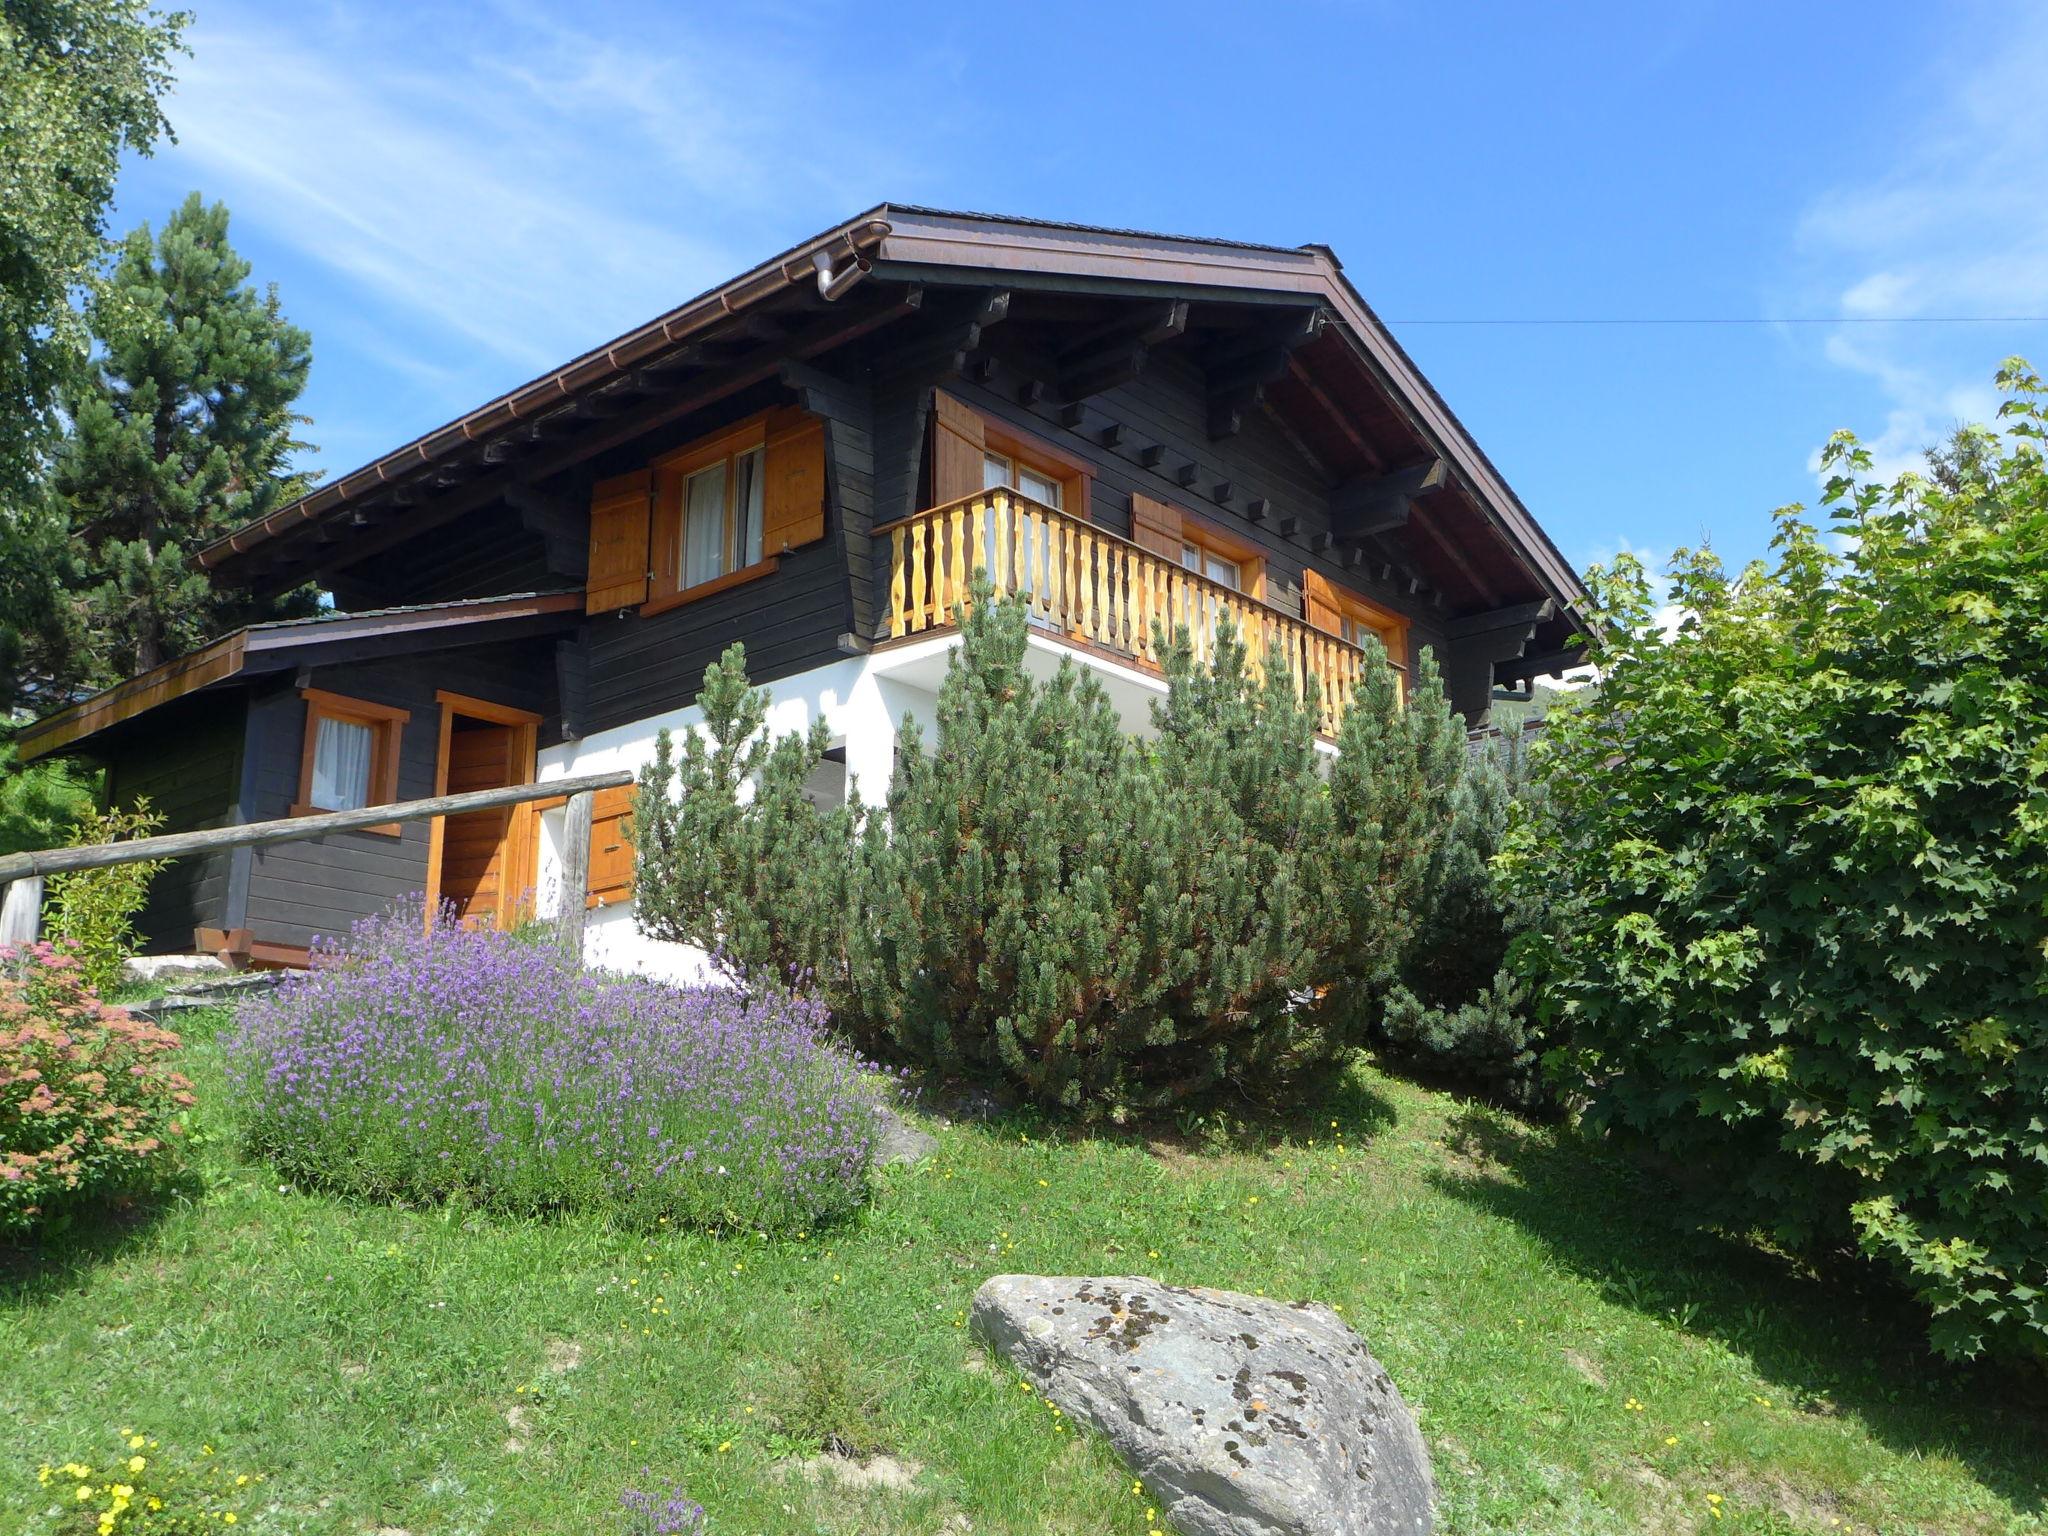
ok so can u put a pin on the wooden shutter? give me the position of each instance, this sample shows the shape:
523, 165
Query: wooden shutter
1319, 603
618, 543
611, 846
1156, 526
793, 495
958, 441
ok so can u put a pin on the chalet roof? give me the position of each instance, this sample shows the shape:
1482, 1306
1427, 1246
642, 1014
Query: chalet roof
1354, 369
282, 644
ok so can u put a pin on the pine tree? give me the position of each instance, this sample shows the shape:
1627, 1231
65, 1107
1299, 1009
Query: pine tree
1103, 924
80, 82
180, 429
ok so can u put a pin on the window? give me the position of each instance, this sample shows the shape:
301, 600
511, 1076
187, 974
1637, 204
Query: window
1338, 611
1002, 469
713, 504
721, 522
350, 757
1205, 561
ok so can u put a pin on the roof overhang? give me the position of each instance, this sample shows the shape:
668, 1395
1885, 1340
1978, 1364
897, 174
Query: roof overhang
289, 643
905, 248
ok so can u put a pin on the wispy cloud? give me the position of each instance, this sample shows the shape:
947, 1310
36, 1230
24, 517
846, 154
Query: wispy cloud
505, 180
1956, 224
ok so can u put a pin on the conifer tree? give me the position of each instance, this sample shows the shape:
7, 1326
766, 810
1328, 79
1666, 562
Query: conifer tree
1104, 924
181, 429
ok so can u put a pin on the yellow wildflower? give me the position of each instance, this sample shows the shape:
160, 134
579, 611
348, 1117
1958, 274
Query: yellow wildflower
135, 1442
136, 1463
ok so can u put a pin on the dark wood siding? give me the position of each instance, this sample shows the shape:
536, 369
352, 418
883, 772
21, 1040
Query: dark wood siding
790, 622
188, 764
1165, 406
323, 885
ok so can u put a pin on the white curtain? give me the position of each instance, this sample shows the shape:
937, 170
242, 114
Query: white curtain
704, 525
341, 765
746, 501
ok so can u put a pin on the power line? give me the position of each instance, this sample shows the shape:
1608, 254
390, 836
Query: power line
1749, 320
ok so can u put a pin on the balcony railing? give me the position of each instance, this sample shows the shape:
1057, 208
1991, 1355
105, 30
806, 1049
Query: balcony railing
1095, 591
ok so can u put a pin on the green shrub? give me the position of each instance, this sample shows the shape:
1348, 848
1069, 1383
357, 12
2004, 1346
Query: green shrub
89, 1100
94, 909
1800, 849
1459, 1009
1104, 924
41, 803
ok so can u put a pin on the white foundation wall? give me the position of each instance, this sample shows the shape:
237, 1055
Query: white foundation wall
862, 705
862, 701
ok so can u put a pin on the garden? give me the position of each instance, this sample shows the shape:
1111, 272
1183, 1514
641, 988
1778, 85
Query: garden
1662, 1103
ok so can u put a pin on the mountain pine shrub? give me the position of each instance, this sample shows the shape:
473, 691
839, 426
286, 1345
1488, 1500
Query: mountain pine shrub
1801, 850
1459, 1008
1107, 926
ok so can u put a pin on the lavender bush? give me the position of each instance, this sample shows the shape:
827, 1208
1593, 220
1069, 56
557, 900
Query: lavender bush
424, 1063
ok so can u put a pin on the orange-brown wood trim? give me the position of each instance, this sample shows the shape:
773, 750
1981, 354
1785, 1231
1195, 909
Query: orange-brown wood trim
483, 709
159, 685
267, 956
1248, 557
746, 573
387, 720
1074, 475
522, 828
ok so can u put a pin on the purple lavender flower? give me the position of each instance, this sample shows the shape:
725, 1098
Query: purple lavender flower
429, 1062
666, 1512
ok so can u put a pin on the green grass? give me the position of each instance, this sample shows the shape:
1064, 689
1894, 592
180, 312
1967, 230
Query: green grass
1520, 1288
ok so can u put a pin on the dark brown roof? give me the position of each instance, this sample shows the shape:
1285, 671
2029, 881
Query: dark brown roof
913, 244
284, 643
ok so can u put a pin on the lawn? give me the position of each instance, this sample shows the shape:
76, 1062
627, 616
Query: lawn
1578, 1363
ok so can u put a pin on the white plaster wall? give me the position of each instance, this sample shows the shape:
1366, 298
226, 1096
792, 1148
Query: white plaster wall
862, 707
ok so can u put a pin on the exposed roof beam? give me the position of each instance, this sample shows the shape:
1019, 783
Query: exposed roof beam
1239, 373
834, 328
1338, 416
1450, 551
1115, 354
1516, 616
1522, 669
1369, 504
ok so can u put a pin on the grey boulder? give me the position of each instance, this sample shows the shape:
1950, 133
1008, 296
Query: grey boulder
1242, 1416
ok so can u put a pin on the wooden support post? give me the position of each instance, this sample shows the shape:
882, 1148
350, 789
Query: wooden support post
21, 911
575, 871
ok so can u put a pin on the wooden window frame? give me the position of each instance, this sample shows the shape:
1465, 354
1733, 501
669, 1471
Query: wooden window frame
1247, 557
1074, 475
1384, 622
672, 471
521, 827
387, 725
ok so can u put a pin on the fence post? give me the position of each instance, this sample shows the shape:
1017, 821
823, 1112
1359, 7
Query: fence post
575, 869
21, 911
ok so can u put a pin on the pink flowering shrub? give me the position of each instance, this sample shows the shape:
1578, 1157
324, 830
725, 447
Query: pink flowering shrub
429, 1063
89, 1099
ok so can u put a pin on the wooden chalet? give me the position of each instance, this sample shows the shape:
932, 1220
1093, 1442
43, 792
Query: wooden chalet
813, 459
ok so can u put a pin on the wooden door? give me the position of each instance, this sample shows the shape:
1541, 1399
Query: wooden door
482, 863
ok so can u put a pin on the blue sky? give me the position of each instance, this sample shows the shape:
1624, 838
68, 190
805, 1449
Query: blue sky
454, 197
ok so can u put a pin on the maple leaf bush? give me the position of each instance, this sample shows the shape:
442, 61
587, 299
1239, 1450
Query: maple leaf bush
90, 1100
1800, 850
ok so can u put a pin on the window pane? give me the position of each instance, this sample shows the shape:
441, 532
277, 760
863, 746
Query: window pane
1191, 556
746, 506
342, 750
1038, 487
1223, 570
995, 471
704, 525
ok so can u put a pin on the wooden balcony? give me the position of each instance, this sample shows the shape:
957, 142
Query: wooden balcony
1096, 592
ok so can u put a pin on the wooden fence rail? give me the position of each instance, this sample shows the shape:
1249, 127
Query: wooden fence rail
21, 874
